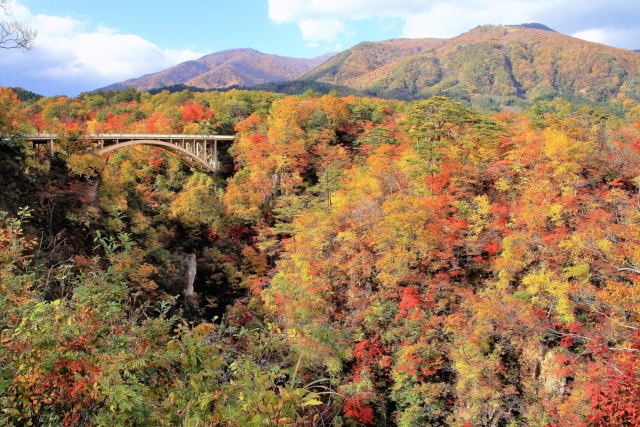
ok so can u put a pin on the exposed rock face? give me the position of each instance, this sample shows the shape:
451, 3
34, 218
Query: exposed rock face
189, 268
553, 382
91, 191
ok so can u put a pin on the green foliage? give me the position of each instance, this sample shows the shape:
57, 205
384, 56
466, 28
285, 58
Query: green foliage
26, 95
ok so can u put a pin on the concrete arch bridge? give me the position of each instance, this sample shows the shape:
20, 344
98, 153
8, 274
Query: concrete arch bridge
202, 152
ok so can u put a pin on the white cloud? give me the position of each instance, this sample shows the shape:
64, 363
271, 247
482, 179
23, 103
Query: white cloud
294, 10
448, 18
328, 30
596, 35
74, 55
430, 18
611, 36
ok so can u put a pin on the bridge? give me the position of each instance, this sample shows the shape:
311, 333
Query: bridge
198, 151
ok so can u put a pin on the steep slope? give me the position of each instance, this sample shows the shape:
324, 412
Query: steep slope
347, 67
243, 67
489, 63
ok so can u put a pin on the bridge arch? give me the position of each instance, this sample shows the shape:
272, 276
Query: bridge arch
176, 151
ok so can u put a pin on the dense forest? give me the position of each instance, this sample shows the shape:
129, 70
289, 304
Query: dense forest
363, 262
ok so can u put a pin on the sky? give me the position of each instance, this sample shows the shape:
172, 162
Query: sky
86, 44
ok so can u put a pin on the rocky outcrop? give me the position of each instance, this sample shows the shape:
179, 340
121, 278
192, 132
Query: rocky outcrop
189, 268
551, 376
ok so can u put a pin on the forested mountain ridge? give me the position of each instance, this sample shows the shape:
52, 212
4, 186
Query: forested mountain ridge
489, 66
357, 62
234, 67
491, 63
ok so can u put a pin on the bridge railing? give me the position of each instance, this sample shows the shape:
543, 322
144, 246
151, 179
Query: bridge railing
132, 136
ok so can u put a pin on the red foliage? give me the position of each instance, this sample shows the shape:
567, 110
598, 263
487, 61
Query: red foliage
438, 182
258, 139
192, 112
236, 233
257, 285
213, 234
412, 300
492, 248
156, 162
412, 363
354, 408
615, 396
367, 354
616, 182
614, 389
368, 350
315, 270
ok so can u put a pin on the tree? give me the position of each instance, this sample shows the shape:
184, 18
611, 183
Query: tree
14, 34
432, 122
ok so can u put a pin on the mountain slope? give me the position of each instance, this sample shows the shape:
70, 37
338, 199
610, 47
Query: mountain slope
355, 63
498, 63
242, 67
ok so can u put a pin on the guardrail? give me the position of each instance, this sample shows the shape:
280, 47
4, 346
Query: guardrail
131, 136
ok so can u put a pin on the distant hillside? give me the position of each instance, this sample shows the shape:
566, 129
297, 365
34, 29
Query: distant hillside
298, 87
348, 67
26, 95
535, 25
498, 64
236, 67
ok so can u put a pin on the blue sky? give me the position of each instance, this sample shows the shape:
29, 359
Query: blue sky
83, 45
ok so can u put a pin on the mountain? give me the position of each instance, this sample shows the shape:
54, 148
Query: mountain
235, 67
498, 64
346, 68
537, 26
489, 65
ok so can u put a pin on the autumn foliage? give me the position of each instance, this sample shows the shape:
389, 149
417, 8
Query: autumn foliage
364, 262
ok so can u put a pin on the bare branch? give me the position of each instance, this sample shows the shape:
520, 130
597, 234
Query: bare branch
582, 337
14, 34
619, 323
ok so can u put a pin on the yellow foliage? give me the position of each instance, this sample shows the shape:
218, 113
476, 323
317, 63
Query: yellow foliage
555, 213
547, 288
515, 256
558, 146
199, 202
86, 165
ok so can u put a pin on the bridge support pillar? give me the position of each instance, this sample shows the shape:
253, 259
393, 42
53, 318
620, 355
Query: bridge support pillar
215, 155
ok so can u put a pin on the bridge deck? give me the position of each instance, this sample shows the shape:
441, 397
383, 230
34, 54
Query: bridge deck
115, 137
